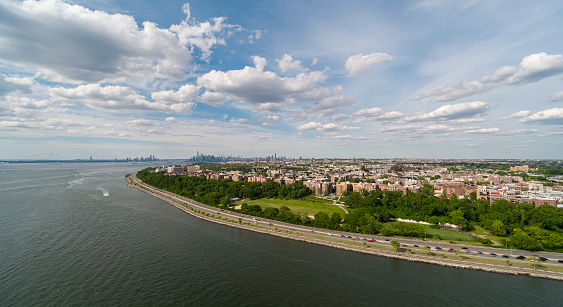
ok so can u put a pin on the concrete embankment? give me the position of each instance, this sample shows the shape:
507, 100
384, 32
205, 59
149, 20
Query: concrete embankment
366, 249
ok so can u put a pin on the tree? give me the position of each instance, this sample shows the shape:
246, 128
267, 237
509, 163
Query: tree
458, 219
396, 245
497, 228
522, 240
536, 263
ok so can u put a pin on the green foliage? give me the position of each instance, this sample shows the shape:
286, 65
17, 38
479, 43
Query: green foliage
396, 245
497, 228
214, 192
405, 229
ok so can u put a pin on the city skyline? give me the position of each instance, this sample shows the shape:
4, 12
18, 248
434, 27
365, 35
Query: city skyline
417, 79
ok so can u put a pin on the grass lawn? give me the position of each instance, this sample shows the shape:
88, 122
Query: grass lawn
480, 231
298, 206
449, 234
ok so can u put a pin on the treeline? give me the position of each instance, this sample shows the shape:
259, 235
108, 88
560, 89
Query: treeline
284, 214
525, 226
219, 192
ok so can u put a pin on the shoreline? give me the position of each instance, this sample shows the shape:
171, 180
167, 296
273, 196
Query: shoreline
435, 260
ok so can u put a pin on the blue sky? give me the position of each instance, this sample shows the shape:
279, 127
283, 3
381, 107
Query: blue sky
373, 79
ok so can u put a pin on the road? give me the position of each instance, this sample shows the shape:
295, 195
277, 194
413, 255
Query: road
474, 251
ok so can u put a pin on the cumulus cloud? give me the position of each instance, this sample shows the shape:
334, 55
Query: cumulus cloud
69, 43
324, 127
517, 115
212, 98
259, 87
361, 64
288, 63
483, 130
15, 84
549, 116
557, 96
532, 68
113, 97
203, 35
269, 118
183, 94
244, 121
519, 131
375, 114
453, 111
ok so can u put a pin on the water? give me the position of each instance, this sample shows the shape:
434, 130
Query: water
74, 234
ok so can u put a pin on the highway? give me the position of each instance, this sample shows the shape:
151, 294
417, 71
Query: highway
436, 246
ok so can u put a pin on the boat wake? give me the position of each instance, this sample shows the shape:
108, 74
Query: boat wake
104, 191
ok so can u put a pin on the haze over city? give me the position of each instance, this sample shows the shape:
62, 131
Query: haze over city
373, 79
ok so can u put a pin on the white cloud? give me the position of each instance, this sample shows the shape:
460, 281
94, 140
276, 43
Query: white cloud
112, 97
13, 84
259, 87
375, 114
244, 121
549, 116
520, 131
288, 63
212, 98
536, 67
314, 62
183, 94
361, 64
532, 68
269, 119
324, 127
453, 111
141, 122
72, 44
557, 96
483, 130
517, 115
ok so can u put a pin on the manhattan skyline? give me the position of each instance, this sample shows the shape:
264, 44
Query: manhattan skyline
372, 79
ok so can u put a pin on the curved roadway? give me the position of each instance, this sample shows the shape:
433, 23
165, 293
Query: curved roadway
438, 246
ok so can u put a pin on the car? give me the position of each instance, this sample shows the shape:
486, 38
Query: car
464, 247
451, 250
386, 239
350, 237
330, 234
543, 259
343, 236
492, 255
371, 240
467, 251
438, 247
505, 256
472, 253
560, 261
479, 252
520, 257
415, 245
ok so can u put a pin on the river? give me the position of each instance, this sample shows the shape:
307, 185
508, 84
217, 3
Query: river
75, 234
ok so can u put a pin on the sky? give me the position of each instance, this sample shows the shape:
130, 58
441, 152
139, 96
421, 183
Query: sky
432, 79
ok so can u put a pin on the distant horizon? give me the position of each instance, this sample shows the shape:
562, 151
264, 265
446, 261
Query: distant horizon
287, 158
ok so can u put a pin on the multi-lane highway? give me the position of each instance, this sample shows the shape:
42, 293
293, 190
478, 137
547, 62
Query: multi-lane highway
436, 246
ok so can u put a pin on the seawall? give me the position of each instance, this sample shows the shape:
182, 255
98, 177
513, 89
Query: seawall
366, 249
